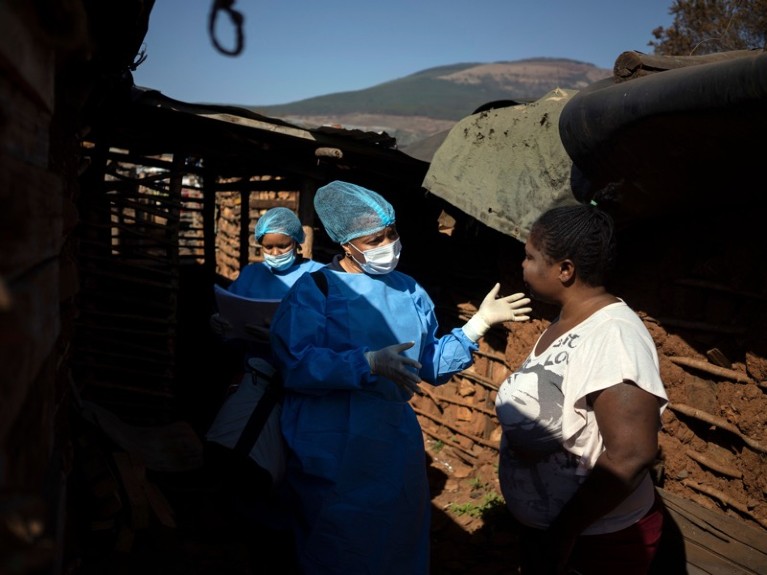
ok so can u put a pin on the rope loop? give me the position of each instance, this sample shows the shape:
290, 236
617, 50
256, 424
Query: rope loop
235, 17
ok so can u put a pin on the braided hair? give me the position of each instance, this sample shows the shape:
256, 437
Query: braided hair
583, 233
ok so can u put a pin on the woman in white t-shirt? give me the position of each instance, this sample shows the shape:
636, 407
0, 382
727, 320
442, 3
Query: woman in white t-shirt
581, 416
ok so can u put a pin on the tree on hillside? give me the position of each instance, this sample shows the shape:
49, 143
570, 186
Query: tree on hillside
708, 26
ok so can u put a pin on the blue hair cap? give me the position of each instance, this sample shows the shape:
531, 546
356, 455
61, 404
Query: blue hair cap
280, 221
349, 211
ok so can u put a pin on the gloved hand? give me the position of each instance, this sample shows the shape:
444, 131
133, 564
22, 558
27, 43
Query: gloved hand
496, 310
257, 332
219, 325
389, 363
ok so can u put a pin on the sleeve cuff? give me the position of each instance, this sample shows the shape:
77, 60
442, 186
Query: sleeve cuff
475, 328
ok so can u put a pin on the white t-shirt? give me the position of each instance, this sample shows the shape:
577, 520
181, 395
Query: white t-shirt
546, 420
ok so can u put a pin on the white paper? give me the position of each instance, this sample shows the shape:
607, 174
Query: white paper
239, 311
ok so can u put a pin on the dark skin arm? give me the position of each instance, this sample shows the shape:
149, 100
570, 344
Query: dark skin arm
629, 420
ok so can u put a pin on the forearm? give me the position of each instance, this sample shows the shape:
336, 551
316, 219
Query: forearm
609, 484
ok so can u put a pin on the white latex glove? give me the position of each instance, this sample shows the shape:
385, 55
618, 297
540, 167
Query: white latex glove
389, 363
219, 325
497, 310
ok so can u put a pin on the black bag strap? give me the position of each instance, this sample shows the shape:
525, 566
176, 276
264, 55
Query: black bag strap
321, 280
272, 393
261, 412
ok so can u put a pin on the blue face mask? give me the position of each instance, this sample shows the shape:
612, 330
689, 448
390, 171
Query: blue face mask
282, 261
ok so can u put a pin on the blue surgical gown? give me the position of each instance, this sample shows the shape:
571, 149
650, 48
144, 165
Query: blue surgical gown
259, 281
356, 459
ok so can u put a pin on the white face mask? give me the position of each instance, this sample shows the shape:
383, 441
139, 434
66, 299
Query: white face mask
380, 260
282, 261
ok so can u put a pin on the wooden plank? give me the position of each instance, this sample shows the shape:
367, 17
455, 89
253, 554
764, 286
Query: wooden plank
273, 185
268, 203
635, 64
717, 543
752, 536
708, 561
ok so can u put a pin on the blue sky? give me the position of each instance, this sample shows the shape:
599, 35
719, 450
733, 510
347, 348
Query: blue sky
297, 49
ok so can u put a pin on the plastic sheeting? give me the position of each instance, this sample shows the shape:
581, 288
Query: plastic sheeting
506, 166
676, 140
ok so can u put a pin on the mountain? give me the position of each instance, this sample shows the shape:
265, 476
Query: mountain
430, 101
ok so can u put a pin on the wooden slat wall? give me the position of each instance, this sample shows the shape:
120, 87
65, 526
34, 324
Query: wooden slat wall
234, 227
129, 254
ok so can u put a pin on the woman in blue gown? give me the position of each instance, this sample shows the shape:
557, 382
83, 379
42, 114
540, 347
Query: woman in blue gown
280, 234
248, 484
351, 357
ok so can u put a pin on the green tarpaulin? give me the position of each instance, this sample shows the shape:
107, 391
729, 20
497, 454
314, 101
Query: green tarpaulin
505, 166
